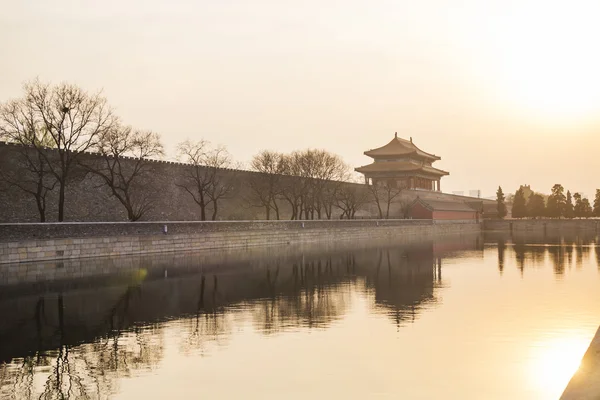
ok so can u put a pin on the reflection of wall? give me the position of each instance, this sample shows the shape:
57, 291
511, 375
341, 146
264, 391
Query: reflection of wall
297, 288
89, 332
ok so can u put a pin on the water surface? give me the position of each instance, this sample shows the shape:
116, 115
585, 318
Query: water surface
466, 317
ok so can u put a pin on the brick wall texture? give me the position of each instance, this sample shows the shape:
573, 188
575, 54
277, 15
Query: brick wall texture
542, 225
208, 236
88, 200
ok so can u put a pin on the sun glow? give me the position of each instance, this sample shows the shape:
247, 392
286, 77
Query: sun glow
554, 361
545, 59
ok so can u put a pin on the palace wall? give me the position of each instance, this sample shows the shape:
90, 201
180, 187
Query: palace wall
88, 200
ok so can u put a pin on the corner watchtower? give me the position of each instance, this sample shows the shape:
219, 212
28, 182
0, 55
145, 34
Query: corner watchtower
401, 163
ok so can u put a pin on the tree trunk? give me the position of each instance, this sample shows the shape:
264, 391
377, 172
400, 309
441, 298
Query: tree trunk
215, 208
379, 207
387, 211
41, 209
202, 205
275, 207
130, 215
327, 212
268, 211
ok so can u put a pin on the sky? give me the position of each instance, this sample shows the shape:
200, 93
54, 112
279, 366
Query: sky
506, 92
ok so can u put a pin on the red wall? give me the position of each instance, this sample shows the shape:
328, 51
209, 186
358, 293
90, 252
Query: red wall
418, 211
455, 215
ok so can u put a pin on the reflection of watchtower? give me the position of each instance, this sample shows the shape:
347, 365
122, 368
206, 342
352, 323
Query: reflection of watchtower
401, 163
404, 280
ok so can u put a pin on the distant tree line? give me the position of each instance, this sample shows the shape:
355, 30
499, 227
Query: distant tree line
57, 126
528, 204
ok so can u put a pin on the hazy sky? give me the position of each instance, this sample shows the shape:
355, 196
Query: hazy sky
506, 92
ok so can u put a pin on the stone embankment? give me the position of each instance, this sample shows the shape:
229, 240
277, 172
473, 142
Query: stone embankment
541, 225
57, 241
585, 384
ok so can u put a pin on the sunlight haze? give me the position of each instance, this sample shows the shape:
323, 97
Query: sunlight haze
506, 92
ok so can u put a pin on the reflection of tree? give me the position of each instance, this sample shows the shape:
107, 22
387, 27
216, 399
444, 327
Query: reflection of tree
530, 248
583, 245
79, 345
308, 296
87, 370
501, 251
519, 249
209, 323
537, 255
568, 243
557, 257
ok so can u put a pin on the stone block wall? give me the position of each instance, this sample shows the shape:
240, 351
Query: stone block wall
88, 200
97, 242
541, 225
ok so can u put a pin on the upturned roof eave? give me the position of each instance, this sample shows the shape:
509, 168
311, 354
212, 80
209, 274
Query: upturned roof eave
420, 153
435, 171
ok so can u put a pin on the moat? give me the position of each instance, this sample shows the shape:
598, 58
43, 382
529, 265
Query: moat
494, 316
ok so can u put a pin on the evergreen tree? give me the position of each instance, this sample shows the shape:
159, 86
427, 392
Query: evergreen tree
535, 206
583, 209
501, 205
556, 202
569, 212
597, 204
586, 208
577, 207
519, 207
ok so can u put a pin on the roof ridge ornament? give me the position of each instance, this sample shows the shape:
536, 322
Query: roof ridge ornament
396, 135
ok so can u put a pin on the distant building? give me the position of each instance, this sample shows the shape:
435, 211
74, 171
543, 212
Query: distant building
402, 164
443, 210
475, 193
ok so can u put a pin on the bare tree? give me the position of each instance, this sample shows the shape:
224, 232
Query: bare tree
351, 198
266, 186
293, 185
384, 194
222, 183
320, 173
31, 174
204, 179
71, 119
124, 164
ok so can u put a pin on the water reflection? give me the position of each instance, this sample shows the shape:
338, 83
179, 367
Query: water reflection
79, 341
88, 338
562, 250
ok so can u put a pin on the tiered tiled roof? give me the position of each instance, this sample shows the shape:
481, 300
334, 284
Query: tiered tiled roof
400, 147
400, 166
